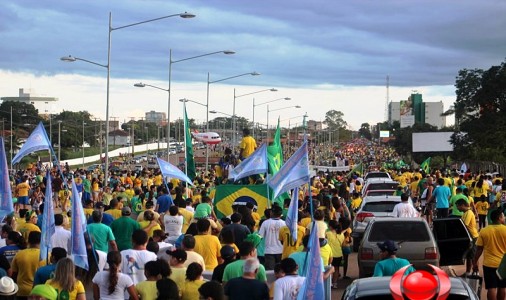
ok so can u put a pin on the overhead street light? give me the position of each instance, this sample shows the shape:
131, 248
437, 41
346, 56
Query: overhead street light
207, 103
184, 15
270, 101
234, 127
287, 107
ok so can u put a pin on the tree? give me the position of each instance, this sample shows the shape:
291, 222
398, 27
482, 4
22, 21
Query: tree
334, 120
479, 113
365, 131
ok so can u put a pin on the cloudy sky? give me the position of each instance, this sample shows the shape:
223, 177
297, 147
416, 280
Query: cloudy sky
324, 55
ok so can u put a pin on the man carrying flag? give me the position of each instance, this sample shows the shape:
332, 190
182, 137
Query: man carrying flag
425, 166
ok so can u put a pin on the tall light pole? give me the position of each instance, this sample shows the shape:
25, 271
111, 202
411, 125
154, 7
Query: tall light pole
184, 15
229, 115
83, 142
207, 103
227, 52
12, 133
234, 126
287, 107
270, 101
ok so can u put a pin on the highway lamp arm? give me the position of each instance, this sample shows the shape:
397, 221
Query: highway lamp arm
266, 90
232, 77
228, 52
184, 15
71, 58
278, 99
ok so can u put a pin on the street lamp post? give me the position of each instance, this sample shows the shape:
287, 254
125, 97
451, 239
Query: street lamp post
234, 126
255, 105
227, 52
293, 106
184, 15
207, 103
83, 143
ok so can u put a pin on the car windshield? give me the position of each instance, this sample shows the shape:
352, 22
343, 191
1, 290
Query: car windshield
376, 175
383, 206
380, 193
399, 231
383, 186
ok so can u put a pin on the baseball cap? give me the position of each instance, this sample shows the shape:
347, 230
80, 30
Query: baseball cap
387, 245
126, 211
227, 251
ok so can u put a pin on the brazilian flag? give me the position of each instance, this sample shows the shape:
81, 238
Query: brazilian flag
425, 166
228, 194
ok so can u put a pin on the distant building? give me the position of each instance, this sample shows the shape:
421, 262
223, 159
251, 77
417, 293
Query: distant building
314, 125
415, 111
42, 104
118, 137
155, 117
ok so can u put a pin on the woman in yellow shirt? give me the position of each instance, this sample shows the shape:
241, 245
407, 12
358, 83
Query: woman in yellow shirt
193, 282
65, 282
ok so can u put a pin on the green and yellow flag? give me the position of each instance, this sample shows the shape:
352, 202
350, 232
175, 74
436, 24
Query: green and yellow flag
425, 166
190, 162
275, 153
228, 194
358, 168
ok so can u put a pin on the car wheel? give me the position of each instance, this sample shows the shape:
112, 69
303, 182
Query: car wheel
356, 244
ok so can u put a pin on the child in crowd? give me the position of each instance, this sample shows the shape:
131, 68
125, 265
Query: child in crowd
335, 238
204, 209
193, 282
147, 289
482, 207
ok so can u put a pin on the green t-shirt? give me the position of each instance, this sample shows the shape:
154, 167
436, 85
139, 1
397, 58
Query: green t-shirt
123, 228
87, 185
453, 200
235, 269
136, 205
203, 210
101, 235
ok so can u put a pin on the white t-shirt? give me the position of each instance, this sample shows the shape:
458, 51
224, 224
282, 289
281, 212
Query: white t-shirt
102, 280
133, 261
404, 210
191, 257
270, 233
61, 238
287, 287
173, 226
321, 226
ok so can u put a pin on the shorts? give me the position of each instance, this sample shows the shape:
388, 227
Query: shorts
472, 251
23, 200
336, 261
491, 279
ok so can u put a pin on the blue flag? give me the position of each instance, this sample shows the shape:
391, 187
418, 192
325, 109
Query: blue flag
293, 214
294, 173
169, 170
48, 226
5, 185
256, 163
78, 248
37, 141
313, 285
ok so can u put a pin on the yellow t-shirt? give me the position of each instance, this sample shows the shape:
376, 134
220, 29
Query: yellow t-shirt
26, 228
145, 224
114, 212
88, 212
187, 218
179, 277
25, 264
248, 146
158, 180
289, 245
493, 240
305, 222
23, 189
481, 191
191, 289
78, 289
326, 254
482, 207
335, 241
147, 290
208, 246
470, 221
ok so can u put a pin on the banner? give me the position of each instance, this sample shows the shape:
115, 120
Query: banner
256, 163
78, 247
292, 214
190, 161
169, 170
48, 225
294, 173
313, 285
6, 206
425, 166
37, 141
228, 194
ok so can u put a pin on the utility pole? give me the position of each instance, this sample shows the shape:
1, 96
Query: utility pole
133, 134
114, 129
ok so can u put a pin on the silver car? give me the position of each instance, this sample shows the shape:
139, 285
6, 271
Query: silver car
372, 207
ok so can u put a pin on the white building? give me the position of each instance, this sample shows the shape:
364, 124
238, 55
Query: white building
41, 103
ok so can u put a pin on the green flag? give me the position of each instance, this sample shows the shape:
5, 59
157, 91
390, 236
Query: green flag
275, 153
356, 169
425, 166
190, 162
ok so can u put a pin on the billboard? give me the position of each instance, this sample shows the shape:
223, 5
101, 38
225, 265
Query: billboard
432, 141
407, 121
384, 133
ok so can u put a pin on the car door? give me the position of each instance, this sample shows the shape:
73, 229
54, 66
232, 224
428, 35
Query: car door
453, 240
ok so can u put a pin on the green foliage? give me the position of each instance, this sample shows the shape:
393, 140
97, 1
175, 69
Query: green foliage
334, 120
365, 131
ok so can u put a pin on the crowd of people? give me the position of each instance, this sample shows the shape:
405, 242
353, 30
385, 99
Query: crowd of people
151, 239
